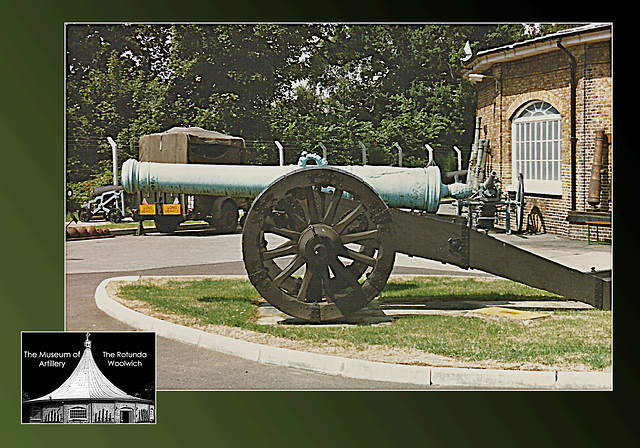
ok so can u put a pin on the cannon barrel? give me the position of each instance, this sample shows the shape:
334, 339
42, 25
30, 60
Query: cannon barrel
414, 188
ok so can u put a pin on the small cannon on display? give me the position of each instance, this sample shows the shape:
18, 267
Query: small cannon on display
319, 242
489, 202
108, 201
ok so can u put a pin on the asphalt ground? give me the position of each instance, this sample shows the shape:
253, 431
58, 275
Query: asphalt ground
203, 252
573, 253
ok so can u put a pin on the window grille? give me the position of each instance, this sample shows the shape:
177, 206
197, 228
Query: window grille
537, 137
78, 413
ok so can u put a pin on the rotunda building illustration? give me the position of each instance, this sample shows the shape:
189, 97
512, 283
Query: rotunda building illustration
88, 396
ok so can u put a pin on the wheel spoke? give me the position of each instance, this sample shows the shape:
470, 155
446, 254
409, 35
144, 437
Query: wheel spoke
342, 272
286, 248
297, 220
292, 267
312, 207
285, 233
326, 284
304, 287
367, 235
359, 257
351, 216
332, 209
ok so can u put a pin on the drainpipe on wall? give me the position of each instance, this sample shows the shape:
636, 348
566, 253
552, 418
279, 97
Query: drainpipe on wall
574, 139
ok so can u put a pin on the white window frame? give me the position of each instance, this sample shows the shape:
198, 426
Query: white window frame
537, 149
78, 413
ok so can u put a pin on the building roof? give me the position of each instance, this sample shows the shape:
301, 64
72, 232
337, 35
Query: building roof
483, 60
87, 382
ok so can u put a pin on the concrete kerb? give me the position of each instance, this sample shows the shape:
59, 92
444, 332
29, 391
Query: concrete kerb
353, 368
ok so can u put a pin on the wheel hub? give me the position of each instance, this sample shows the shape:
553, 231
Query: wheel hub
318, 243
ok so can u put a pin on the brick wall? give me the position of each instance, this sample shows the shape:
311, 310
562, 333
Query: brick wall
546, 77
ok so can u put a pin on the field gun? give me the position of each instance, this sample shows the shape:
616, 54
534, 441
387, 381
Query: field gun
489, 203
319, 242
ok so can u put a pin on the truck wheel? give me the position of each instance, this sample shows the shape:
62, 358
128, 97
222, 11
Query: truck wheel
228, 222
167, 224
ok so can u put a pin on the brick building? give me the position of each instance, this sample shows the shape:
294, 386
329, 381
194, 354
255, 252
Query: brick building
546, 108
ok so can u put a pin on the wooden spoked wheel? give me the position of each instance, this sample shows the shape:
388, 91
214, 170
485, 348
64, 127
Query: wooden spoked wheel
317, 244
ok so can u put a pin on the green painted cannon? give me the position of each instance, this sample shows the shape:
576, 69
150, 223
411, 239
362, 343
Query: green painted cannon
319, 242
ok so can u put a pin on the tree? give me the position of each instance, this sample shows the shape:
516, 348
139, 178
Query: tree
382, 84
227, 76
107, 68
339, 84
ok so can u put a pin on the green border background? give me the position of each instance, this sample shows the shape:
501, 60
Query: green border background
32, 275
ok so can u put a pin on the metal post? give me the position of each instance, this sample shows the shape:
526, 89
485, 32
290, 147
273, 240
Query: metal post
483, 147
430, 150
114, 153
324, 150
459, 154
399, 153
364, 153
280, 152
471, 179
596, 169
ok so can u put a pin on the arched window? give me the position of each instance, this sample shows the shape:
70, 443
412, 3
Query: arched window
536, 148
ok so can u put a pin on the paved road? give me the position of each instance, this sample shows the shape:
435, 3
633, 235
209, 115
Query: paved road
183, 366
195, 247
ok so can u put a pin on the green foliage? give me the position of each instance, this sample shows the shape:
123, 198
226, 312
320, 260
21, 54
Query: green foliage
338, 84
82, 191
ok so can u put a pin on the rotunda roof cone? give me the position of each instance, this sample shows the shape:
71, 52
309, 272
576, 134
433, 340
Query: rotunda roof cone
87, 382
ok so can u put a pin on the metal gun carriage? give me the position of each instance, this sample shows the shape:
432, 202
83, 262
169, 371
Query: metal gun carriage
319, 242
109, 201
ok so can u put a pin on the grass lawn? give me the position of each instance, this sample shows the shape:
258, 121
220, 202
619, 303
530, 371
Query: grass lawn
570, 340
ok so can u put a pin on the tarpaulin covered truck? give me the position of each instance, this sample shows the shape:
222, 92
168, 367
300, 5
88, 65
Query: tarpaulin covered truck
191, 145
